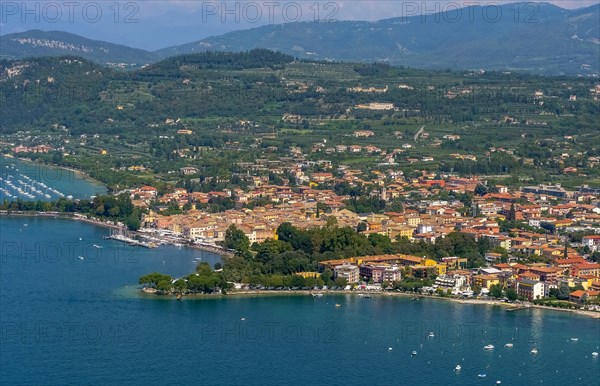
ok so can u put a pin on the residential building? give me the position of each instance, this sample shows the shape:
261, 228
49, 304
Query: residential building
391, 274
347, 271
530, 289
592, 242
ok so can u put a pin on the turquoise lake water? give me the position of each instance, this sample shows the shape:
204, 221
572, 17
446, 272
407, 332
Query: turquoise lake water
41, 182
67, 320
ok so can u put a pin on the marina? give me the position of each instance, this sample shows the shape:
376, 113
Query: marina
152, 238
129, 240
30, 181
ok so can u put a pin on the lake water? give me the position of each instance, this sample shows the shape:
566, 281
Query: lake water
67, 320
30, 181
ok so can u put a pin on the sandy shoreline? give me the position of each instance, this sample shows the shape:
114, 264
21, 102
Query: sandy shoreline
266, 293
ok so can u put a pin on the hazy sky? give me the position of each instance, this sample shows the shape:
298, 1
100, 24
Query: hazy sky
345, 9
153, 24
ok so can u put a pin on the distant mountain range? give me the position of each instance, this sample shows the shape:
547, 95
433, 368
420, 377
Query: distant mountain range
36, 43
545, 40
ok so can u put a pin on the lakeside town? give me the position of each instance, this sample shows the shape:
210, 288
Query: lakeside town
529, 251
264, 193
454, 183
537, 240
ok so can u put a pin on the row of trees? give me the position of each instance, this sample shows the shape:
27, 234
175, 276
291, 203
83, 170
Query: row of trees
203, 281
296, 250
115, 208
496, 291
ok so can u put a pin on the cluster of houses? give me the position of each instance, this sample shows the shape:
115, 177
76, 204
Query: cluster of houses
31, 149
425, 219
382, 268
547, 211
530, 282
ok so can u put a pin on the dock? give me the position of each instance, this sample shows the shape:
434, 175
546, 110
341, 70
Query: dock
126, 237
517, 308
131, 241
155, 239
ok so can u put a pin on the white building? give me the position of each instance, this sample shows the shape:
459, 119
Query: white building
592, 242
392, 274
530, 289
455, 282
347, 271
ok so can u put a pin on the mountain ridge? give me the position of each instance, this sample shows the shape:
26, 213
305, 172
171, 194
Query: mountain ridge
551, 41
569, 40
38, 43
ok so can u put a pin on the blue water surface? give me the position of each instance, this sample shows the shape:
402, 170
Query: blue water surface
41, 182
67, 320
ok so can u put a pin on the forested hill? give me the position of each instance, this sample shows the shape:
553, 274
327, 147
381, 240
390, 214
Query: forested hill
273, 89
211, 60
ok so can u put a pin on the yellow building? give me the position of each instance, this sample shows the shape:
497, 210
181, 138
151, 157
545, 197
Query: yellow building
505, 242
402, 231
427, 267
308, 274
440, 269
413, 221
485, 281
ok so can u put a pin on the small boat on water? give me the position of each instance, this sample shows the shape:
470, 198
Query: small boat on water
509, 345
338, 305
317, 295
390, 349
534, 350
458, 368
80, 257
482, 375
414, 353
431, 334
488, 347
574, 339
594, 354
97, 246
